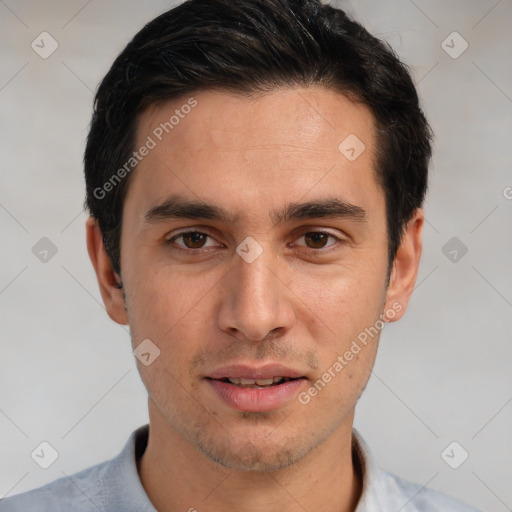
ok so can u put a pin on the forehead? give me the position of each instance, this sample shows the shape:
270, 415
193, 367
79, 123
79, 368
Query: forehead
313, 115
222, 146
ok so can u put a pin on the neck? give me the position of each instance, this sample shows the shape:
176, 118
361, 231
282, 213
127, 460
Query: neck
177, 476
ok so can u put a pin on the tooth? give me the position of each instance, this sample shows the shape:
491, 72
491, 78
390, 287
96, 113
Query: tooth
264, 382
254, 383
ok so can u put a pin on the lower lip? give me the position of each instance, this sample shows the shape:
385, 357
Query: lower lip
257, 400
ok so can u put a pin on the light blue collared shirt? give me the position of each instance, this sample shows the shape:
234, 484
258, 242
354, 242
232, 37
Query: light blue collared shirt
114, 486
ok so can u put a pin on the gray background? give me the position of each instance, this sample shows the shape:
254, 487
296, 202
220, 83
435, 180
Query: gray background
67, 374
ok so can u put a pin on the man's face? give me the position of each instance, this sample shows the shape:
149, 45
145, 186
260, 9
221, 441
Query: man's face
318, 283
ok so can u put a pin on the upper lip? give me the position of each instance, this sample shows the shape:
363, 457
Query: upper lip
241, 371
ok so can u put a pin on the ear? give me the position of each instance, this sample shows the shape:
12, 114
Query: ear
108, 279
405, 269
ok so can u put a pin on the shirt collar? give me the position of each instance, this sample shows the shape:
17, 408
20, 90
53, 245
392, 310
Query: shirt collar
373, 485
122, 488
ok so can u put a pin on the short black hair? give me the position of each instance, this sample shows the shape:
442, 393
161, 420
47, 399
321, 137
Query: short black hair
253, 47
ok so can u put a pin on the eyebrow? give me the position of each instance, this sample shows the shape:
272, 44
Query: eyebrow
177, 207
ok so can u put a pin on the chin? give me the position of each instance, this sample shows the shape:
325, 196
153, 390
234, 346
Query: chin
250, 452
253, 458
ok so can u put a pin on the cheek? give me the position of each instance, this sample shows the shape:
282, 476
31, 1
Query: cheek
345, 326
174, 311
162, 298
346, 346
345, 300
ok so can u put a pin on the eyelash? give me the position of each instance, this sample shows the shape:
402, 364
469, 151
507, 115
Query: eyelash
200, 251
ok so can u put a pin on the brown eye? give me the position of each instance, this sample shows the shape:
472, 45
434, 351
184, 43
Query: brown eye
194, 239
193, 242
316, 240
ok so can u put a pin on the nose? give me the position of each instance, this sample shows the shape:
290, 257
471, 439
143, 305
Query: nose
256, 303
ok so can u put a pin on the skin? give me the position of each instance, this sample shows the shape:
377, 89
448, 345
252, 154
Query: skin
294, 305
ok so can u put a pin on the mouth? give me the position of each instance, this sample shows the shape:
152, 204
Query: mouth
256, 389
257, 383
